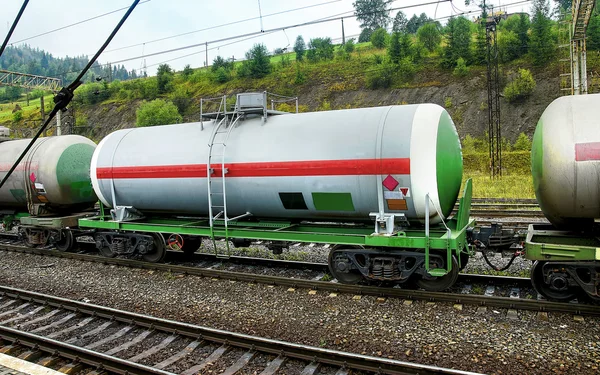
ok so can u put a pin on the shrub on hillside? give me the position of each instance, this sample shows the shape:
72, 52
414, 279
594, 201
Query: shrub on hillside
349, 45
17, 116
461, 69
181, 98
37, 93
365, 35
379, 38
157, 112
164, 78
187, 71
521, 87
257, 63
406, 69
381, 76
220, 62
320, 49
523, 143
221, 75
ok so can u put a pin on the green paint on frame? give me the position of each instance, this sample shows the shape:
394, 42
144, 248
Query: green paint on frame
449, 164
333, 201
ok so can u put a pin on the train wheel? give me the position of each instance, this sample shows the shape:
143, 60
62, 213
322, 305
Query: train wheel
437, 284
339, 266
158, 252
67, 242
546, 290
191, 245
106, 251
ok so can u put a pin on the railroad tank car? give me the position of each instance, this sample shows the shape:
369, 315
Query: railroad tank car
316, 166
565, 161
565, 164
54, 174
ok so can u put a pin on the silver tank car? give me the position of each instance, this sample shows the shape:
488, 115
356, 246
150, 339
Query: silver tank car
565, 161
318, 166
54, 173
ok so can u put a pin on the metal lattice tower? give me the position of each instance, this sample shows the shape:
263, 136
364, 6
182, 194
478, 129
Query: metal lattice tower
564, 54
29, 81
581, 12
493, 89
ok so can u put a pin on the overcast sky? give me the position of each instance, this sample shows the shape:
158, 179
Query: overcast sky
156, 19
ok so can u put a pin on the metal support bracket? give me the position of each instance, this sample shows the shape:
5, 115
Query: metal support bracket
385, 223
125, 213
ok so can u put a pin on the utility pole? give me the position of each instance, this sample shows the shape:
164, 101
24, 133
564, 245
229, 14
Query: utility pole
43, 111
58, 123
493, 89
343, 35
206, 50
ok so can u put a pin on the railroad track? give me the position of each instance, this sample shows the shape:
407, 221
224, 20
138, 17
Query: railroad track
122, 342
513, 302
504, 207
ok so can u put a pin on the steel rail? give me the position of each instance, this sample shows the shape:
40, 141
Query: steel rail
323, 267
76, 353
478, 300
264, 345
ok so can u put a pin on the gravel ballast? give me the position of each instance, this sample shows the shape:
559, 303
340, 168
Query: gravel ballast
430, 333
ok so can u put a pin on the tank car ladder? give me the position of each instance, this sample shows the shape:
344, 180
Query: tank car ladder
217, 193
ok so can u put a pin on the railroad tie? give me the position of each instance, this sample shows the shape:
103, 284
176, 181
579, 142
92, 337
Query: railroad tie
8, 303
93, 332
72, 328
311, 368
184, 352
22, 316
212, 358
154, 349
40, 319
14, 310
54, 324
139, 338
240, 363
110, 338
274, 366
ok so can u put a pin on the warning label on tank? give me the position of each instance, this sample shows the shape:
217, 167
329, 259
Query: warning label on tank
405, 191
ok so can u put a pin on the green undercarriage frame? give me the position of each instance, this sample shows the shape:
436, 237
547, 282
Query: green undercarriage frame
546, 243
450, 239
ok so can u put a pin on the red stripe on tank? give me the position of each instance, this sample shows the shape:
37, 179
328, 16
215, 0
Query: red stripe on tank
351, 167
587, 151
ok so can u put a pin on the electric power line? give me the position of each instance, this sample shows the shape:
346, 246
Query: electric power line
221, 25
14, 25
73, 24
314, 22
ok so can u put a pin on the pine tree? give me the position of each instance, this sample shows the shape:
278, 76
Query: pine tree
394, 51
541, 46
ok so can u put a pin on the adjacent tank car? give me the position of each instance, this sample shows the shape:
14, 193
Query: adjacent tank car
565, 163
47, 188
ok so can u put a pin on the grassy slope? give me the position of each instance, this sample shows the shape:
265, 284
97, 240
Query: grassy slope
321, 82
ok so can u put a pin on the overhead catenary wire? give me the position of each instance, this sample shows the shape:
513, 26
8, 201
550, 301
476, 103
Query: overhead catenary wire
308, 23
64, 97
253, 35
73, 24
14, 25
266, 33
221, 25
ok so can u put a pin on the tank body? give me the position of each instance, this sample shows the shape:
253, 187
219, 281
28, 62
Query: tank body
565, 161
321, 165
54, 172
